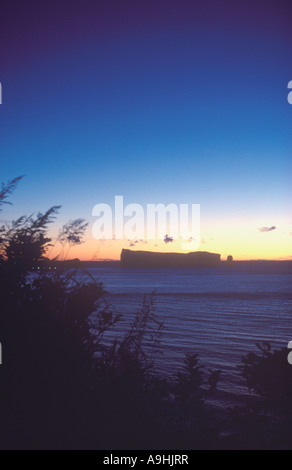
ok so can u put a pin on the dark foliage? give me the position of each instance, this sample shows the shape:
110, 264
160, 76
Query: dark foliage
7, 189
63, 386
266, 419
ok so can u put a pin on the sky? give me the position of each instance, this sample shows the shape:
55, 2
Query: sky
165, 101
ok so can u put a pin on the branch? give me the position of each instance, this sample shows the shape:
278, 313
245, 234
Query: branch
7, 189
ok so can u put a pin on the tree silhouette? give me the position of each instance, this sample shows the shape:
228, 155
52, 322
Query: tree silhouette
62, 384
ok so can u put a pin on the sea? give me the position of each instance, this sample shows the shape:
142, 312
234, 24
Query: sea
218, 313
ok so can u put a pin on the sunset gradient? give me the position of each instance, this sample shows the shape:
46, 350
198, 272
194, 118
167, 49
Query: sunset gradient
159, 101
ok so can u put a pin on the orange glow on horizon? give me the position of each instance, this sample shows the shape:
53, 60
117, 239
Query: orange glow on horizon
242, 239
262, 246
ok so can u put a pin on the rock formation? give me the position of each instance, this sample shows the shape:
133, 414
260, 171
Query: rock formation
149, 259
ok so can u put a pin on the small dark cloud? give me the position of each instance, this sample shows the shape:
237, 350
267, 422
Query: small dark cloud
267, 229
133, 242
168, 239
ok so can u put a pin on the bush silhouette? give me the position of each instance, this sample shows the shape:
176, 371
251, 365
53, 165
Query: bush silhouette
62, 385
266, 419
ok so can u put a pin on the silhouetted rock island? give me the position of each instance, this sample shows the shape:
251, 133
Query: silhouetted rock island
150, 259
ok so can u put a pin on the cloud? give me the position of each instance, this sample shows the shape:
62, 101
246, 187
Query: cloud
267, 229
136, 242
168, 239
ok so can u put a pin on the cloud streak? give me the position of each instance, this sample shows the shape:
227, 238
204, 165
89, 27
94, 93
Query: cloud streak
267, 229
135, 242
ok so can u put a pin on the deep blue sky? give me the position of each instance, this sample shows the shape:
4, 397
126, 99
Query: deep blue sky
160, 101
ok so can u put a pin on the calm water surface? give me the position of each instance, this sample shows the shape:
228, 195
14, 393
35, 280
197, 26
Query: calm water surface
218, 313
